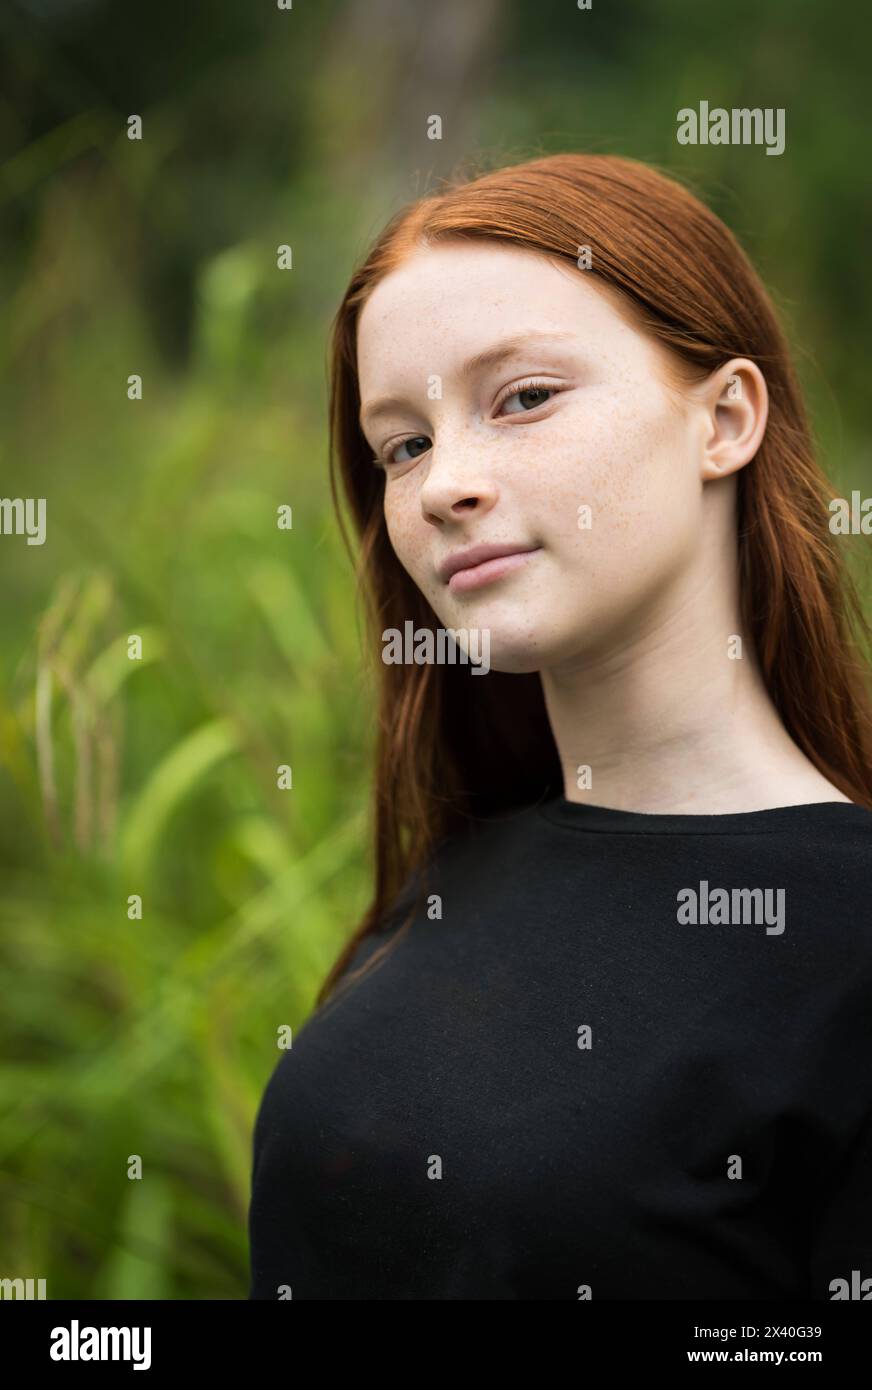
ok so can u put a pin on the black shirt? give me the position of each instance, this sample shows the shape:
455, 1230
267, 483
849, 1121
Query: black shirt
591, 1068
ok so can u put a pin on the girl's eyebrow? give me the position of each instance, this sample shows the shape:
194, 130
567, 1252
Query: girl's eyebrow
490, 357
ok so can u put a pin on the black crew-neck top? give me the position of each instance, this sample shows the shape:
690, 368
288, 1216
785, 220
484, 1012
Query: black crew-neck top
613, 1055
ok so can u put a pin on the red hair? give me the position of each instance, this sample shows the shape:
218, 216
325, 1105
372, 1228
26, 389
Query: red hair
450, 746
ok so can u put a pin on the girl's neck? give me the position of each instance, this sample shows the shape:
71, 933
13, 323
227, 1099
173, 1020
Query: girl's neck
672, 723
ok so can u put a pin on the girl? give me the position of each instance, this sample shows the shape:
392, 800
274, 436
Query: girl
604, 1031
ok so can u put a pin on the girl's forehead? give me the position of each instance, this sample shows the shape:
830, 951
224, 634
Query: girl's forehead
460, 296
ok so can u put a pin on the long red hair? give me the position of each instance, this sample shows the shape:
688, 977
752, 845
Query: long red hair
450, 746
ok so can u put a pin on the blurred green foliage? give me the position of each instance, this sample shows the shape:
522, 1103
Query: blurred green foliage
158, 777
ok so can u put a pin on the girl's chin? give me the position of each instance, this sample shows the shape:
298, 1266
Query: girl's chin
519, 667
517, 658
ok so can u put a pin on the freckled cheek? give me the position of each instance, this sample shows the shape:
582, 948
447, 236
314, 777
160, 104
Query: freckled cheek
408, 531
591, 465
602, 462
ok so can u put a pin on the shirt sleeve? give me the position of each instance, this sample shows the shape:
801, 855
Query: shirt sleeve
842, 1242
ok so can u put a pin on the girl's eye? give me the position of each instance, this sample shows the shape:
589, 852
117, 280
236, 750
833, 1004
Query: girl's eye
413, 443
529, 396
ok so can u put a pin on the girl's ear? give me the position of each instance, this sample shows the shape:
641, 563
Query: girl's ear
737, 405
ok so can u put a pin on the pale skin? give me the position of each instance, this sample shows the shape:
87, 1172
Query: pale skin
631, 621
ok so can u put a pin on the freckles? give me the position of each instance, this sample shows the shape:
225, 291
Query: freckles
407, 537
403, 536
588, 455
613, 471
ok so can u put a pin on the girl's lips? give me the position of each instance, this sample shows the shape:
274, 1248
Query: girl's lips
477, 575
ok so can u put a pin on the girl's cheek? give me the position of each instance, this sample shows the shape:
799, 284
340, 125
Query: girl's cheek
407, 539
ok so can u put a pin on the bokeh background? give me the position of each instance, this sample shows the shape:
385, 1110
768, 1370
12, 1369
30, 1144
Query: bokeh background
264, 127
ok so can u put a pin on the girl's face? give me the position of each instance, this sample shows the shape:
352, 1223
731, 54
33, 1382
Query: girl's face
513, 405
